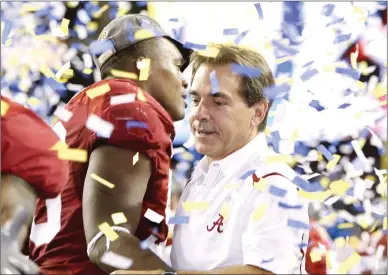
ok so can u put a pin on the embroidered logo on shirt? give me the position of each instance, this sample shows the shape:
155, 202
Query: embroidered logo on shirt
219, 223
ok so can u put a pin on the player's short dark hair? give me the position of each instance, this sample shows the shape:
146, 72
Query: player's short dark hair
252, 90
121, 59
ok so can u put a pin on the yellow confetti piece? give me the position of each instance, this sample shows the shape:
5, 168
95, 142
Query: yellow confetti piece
92, 26
331, 164
283, 59
288, 80
140, 95
315, 256
119, 218
345, 225
353, 58
360, 85
232, 185
373, 226
385, 223
354, 242
225, 210
379, 91
330, 68
339, 187
108, 231
78, 155
29, 8
267, 45
72, 4
229, 43
60, 145
33, 101
46, 71
4, 108
209, 52
143, 34
195, 205
87, 71
123, 74
259, 212
340, 242
319, 196
102, 181
135, 158
65, 26
261, 185
98, 13
144, 69
98, 91
267, 131
279, 158
349, 263
328, 261
49, 38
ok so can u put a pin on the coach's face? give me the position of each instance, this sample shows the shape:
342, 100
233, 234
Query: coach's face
221, 122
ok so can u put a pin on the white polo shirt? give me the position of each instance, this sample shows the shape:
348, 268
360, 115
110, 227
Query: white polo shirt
262, 226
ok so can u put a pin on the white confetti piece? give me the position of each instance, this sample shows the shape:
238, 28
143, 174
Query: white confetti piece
101, 127
112, 259
357, 149
62, 70
135, 159
62, 113
122, 99
153, 216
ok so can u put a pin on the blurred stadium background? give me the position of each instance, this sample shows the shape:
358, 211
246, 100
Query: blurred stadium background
331, 58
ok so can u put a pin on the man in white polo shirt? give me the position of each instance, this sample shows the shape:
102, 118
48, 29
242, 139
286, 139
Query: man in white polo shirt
245, 215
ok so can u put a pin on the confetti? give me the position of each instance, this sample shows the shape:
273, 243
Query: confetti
279, 158
101, 127
245, 70
273, 92
214, 82
277, 191
357, 149
153, 216
259, 212
261, 185
352, 73
259, 11
287, 206
333, 162
119, 218
209, 52
232, 186
281, 47
225, 210
306, 186
247, 174
62, 71
87, 71
65, 26
135, 159
315, 256
4, 108
143, 34
335, 21
77, 155
99, 47
62, 113
144, 67
29, 8
195, 205
353, 59
122, 99
339, 187
136, 124
144, 245
194, 46
308, 74
98, 13
123, 74
232, 31
179, 220
325, 152
115, 260
5, 32
319, 196
108, 232
328, 9
297, 224
140, 95
349, 263
342, 38
240, 37
102, 181
60, 145
98, 91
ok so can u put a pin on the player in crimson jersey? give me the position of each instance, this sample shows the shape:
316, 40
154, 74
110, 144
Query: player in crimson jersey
135, 156
29, 169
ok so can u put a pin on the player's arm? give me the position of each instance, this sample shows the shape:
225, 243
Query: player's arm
15, 194
100, 202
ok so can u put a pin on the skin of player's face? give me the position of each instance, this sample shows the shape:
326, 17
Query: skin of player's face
227, 119
166, 80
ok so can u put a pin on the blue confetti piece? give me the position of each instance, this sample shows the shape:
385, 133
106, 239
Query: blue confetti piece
332, 149
135, 124
214, 82
247, 174
308, 64
141, 4
306, 185
259, 10
303, 245
328, 9
325, 152
297, 224
275, 138
287, 206
56, 86
99, 47
267, 261
273, 190
240, 37
308, 74
6, 31
190, 45
317, 105
245, 70
232, 31
338, 20
344, 106
342, 38
43, 12
288, 50
179, 220
364, 133
173, 20
358, 164
275, 91
352, 73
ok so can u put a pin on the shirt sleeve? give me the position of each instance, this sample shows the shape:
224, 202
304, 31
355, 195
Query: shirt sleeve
25, 148
136, 127
268, 241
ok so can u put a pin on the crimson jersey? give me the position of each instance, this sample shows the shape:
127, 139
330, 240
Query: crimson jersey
66, 252
26, 141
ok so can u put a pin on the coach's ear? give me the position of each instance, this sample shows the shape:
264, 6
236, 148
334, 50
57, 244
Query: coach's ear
260, 110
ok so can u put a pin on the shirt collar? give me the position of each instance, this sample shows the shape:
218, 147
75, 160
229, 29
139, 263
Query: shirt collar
257, 147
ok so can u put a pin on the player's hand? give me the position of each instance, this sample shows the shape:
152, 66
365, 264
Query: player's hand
159, 271
12, 260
